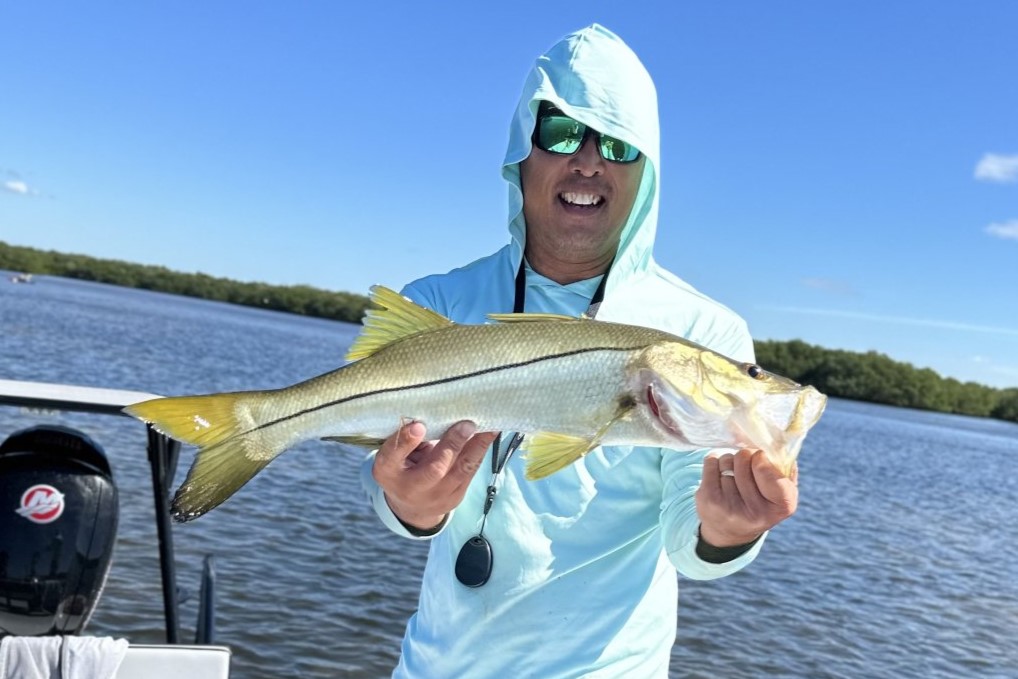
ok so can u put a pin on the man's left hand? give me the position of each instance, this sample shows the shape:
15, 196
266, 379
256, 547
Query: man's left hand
741, 496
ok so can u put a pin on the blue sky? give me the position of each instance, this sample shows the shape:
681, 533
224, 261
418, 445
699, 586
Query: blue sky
844, 173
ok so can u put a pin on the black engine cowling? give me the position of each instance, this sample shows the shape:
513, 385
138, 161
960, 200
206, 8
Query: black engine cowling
58, 524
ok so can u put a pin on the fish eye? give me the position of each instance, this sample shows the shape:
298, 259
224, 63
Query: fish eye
755, 371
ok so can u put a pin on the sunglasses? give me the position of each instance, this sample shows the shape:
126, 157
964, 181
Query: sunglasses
555, 132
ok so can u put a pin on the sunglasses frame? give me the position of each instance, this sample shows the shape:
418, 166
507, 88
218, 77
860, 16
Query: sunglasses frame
548, 110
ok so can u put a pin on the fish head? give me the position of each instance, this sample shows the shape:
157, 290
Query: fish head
700, 398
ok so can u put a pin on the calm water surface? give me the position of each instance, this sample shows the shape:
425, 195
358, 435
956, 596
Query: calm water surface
901, 561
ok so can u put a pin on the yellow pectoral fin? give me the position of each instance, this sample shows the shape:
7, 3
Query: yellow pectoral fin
396, 318
548, 453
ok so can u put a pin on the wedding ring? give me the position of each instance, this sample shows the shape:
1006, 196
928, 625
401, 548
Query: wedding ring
728, 472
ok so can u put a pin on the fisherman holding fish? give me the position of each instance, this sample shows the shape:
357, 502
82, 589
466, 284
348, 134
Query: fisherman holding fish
572, 575
649, 441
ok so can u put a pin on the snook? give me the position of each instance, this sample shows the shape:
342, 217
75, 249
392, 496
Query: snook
570, 384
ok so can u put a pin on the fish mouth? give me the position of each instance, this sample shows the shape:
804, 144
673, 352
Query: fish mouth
779, 424
812, 405
792, 413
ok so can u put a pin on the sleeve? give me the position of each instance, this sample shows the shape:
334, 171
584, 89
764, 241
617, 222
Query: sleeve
680, 523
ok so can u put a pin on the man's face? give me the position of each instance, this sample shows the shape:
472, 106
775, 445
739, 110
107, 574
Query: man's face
576, 205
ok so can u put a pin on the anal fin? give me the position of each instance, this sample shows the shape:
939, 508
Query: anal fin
357, 440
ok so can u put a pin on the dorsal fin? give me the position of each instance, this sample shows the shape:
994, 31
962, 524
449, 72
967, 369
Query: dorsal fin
396, 318
530, 317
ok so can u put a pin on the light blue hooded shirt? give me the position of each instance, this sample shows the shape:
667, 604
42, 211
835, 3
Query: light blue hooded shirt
584, 579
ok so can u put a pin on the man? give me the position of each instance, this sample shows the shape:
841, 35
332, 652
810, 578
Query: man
573, 575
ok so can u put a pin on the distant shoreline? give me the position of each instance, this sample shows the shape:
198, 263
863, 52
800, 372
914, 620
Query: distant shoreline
296, 299
871, 377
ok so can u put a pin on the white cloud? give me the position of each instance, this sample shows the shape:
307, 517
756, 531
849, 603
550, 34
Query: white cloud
993, 167
898, 320
1008, 229
16, 186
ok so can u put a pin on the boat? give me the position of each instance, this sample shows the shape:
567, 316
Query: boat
21, 278
55, 463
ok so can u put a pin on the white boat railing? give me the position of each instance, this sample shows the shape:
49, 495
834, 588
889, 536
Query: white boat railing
50, 396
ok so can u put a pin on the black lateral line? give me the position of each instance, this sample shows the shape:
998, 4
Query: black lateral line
444, 380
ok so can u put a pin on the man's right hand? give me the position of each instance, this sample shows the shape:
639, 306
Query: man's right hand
425, 480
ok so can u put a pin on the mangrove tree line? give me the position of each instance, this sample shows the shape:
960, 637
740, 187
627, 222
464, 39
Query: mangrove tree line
297, 299
869, 376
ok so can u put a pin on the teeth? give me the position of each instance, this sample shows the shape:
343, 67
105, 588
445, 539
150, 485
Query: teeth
581, 198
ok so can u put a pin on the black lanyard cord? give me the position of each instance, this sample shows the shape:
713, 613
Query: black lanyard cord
499, 460
519, 301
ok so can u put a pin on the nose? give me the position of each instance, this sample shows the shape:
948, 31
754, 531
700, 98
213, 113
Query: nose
587, 161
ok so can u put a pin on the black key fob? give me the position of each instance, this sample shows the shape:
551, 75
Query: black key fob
473, 565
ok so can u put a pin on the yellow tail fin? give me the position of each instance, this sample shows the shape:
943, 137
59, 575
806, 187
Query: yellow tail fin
198, 420
231, 450
219, 472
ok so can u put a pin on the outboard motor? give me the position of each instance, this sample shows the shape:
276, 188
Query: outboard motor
58, 523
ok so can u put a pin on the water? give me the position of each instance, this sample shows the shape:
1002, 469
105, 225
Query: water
901, 561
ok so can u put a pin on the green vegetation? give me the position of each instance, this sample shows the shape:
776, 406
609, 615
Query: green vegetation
297, 299
867, 376
877, 378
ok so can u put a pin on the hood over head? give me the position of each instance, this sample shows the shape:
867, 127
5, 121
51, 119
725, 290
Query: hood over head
595, 78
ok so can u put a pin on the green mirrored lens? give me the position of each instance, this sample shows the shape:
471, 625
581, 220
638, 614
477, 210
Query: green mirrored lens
617, 150
561, 134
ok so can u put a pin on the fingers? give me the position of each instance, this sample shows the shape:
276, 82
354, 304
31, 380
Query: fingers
391, 458
455, 458
742, 495
470, 457
729, 475
450, 461
435, 464
721, 476
773, 486
423, 480
744, 478
748, 478
711, 481
727, 472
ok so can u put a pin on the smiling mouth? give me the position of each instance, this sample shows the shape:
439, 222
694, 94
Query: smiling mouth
581, 200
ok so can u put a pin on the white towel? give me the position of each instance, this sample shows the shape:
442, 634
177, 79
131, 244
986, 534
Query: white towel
30, 657
60, 657
91, 657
